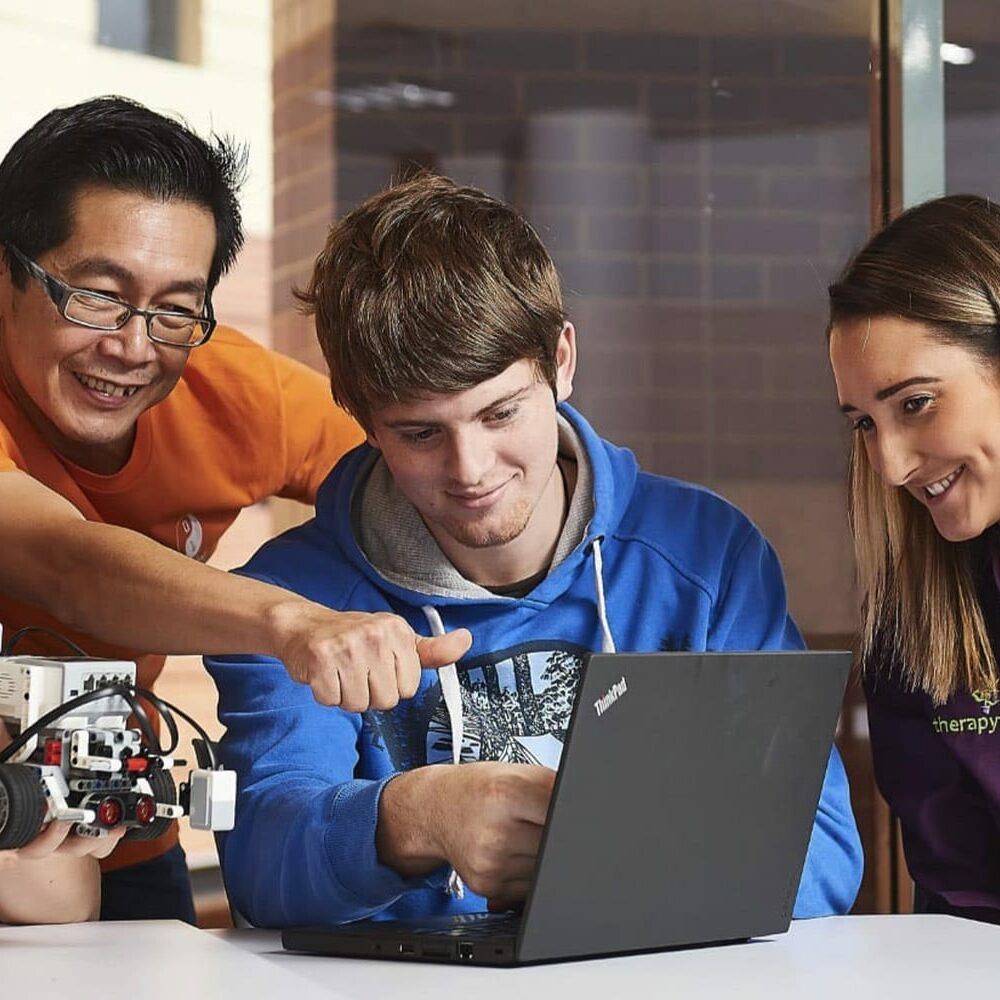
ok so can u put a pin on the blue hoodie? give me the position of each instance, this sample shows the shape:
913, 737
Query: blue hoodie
682, 569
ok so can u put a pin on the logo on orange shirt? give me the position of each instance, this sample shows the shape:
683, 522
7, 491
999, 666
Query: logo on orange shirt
190, 536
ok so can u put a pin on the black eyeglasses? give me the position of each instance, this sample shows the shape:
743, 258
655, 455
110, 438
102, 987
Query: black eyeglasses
104, 312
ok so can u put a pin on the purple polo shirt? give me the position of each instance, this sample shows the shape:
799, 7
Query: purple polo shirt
939, 770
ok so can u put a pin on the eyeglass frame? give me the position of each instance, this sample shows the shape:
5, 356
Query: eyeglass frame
60, 293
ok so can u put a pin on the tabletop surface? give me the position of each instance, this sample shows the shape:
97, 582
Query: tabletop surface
848, 958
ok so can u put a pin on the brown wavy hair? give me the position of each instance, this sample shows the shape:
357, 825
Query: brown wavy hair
937, 264
429, 287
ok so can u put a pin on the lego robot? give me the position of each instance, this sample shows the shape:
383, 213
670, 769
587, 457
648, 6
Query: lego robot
73, 756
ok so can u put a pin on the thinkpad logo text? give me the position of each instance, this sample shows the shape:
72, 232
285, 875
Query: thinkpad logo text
614, 693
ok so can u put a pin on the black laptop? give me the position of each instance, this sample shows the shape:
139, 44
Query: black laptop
681, 815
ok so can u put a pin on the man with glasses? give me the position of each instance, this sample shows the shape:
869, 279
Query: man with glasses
133, 430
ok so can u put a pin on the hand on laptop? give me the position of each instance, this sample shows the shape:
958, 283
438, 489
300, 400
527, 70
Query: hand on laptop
484, 819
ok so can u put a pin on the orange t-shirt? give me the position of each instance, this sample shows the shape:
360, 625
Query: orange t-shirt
242, 424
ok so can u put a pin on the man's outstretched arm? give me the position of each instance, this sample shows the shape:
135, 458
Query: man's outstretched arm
124, 588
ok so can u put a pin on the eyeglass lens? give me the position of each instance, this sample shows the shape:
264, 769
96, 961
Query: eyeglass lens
106, 314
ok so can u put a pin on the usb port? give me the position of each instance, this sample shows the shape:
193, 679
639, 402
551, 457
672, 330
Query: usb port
407, 949
465, 952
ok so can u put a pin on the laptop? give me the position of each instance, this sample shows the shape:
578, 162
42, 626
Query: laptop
681, 815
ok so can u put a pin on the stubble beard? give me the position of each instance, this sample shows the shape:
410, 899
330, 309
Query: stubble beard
485, 533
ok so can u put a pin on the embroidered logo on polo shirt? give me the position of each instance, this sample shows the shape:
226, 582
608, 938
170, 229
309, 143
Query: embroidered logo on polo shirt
190, 536
978, 725
986, 698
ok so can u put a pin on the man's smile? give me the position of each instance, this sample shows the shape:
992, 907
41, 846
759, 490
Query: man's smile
474, 500
105, 387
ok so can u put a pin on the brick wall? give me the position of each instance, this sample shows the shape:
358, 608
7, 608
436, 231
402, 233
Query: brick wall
304, 179
303, 34
697, 193
689, 177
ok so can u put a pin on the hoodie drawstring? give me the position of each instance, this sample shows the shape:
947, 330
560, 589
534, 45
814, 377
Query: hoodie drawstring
607, 639
452, 692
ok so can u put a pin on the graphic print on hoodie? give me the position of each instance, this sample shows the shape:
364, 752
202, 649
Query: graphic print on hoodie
516, 706
643, 563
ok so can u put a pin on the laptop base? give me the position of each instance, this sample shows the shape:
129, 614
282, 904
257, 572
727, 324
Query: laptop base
397, 941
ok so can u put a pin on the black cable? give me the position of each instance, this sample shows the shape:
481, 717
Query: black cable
123, 691
9, 645
142, 718
165, 714
165, 708
158, 701
132, 695
108, 691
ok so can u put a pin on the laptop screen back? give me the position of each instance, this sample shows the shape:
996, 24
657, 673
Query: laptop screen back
685, 800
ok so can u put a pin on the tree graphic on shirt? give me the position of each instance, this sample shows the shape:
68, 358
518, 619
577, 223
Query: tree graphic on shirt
492, 724
561, 674
402, 732
507, 707
532, 725
672, 643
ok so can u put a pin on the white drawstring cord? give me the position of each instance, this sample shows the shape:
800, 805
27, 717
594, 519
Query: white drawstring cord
607, 639
452, 694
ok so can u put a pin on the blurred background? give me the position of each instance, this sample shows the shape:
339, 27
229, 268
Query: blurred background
700, 173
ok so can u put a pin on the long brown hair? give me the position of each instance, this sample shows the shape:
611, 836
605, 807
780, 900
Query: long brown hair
937, 264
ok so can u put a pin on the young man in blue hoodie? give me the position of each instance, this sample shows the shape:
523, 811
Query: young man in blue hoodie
480, 500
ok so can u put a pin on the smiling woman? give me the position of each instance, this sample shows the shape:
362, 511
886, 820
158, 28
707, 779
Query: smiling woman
927, 416
914, 340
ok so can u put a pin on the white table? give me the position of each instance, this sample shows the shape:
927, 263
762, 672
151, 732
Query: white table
848, 958
141, 960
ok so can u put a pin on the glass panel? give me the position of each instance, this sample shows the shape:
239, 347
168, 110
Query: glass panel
972, 99
699, 176
123, 24
146, 26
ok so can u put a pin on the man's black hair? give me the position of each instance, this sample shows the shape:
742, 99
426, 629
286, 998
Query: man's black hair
113, 142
